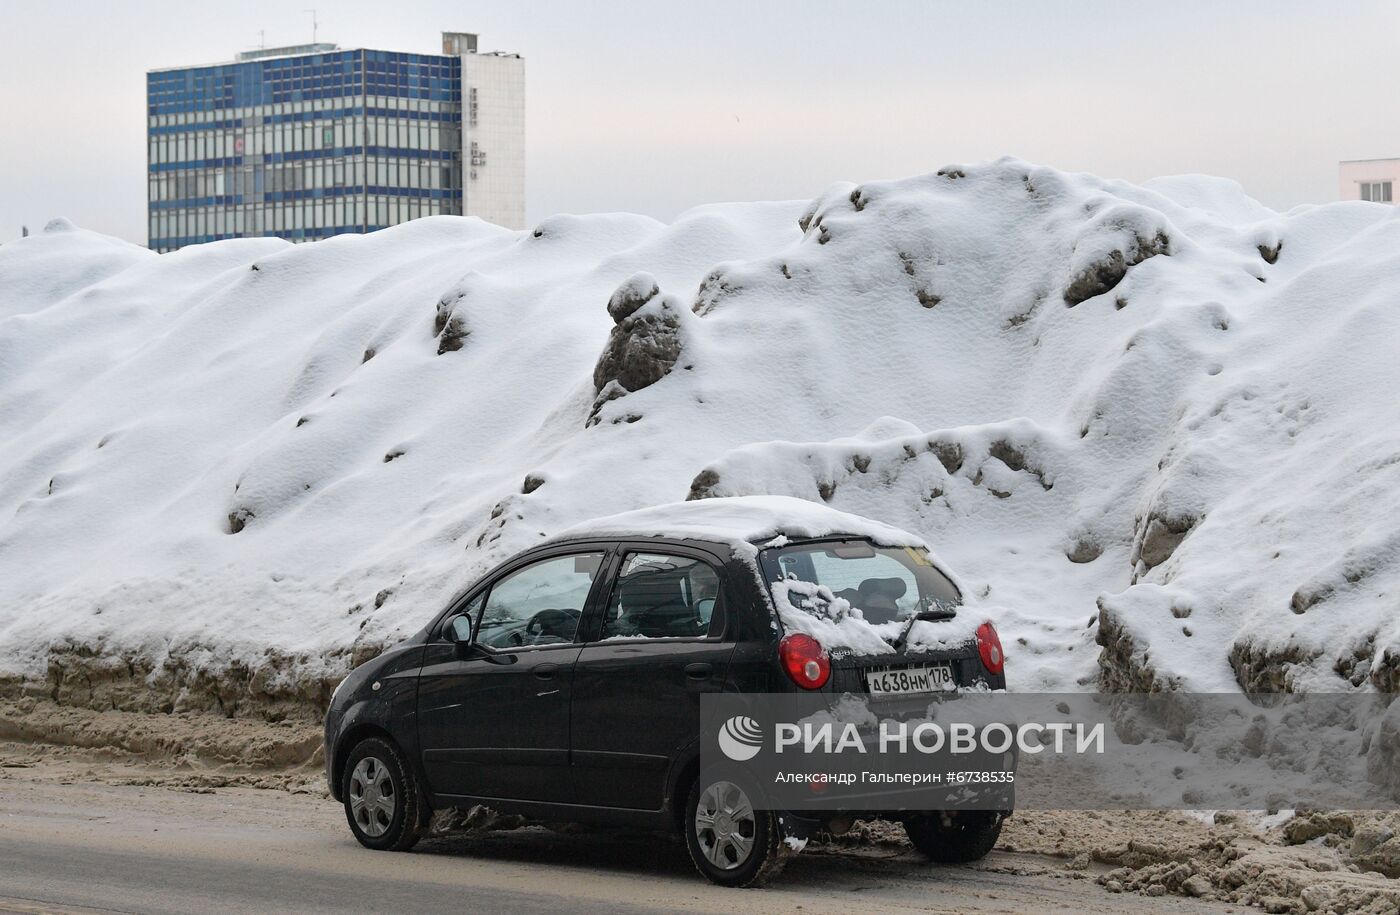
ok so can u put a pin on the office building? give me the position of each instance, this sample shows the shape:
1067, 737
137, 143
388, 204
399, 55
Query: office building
312, 141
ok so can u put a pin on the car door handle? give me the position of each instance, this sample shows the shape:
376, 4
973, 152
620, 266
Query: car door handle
545, 671
700, 670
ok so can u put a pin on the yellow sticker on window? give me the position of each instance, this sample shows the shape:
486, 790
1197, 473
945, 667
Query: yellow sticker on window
919, 556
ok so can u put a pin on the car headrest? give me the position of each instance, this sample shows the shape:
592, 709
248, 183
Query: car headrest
891, 588
652, 591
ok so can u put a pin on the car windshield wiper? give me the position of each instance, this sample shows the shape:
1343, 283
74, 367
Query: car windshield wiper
929, 615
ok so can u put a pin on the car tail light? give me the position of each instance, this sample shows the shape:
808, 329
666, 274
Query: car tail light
989, 647
805, 660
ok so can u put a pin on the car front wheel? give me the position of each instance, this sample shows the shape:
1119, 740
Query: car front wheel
955, 837
731, 842
381, 798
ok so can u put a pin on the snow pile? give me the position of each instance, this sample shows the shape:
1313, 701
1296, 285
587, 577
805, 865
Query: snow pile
1152, 429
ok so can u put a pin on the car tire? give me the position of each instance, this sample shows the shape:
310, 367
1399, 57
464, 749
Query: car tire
967, 835
381, 797
713, 842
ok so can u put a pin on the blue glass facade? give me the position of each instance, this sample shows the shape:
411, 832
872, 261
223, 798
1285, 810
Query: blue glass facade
302, 146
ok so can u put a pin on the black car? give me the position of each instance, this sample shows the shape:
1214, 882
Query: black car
566, 683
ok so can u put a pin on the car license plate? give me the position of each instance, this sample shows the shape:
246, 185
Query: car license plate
930, 678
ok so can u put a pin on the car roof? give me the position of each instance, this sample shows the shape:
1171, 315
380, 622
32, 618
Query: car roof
746, 523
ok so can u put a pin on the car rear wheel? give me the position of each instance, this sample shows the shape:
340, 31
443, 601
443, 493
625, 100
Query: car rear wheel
731, 842
956, 837
381, 798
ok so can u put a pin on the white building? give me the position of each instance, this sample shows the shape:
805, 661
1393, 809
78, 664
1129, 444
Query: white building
1369, 179
493, 131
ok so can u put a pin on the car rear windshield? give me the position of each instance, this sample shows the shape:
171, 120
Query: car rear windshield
883, 583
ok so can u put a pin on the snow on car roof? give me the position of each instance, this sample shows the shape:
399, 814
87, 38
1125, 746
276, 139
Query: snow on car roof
746, 520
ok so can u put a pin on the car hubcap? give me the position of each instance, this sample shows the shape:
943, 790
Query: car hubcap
725, 825
372, 797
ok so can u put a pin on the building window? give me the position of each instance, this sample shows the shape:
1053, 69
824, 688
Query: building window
1376, 191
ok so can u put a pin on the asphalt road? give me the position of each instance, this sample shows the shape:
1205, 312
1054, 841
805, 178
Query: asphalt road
93, 847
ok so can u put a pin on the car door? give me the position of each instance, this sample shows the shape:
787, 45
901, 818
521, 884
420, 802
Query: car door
655, 645
493, 712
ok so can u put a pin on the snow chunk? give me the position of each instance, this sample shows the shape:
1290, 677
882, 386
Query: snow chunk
827, 618
816, 611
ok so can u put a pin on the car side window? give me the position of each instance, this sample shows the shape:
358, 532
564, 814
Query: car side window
661, 596
539, 604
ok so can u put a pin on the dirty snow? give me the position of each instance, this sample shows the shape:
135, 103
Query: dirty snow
1160, 417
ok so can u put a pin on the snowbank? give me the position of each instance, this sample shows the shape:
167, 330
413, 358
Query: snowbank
1152, 429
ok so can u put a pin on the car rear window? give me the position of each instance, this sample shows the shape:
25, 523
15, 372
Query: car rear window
883, 583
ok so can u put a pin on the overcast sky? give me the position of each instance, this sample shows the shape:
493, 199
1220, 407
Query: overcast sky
653, 107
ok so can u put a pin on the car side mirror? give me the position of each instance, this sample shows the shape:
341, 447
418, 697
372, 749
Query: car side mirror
459, 632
